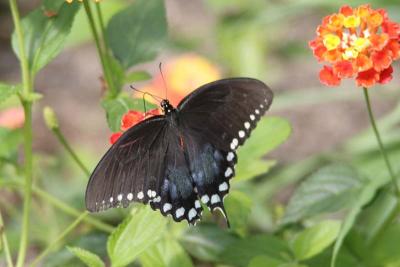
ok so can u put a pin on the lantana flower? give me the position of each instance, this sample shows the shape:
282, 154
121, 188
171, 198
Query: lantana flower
182, 75
359, 43
131, 118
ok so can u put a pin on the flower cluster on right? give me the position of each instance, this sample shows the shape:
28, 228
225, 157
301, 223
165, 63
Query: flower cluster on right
358, 43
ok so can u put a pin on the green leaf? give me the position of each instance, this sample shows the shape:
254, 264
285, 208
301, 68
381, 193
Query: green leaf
315, 239
115, 108
166, 253
364, 197
10, 141
269, 134
330, 189
137, 76
45, 36
137, 32
240, 253
385, 251
89, 258
134, 235
262, 261
374, 218
206, 241
7, 91
238, 206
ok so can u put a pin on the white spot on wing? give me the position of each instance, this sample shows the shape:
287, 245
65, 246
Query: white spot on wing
215, 199
140, 195
261, 106
111, 199
153, 193
257, 111
230, 156
228, 172
197, 204
241, 134
167, 207
205, 199
120, 197
192, 214
149, 193
247, 125
223, 186
129, 196
179, 212
252, 117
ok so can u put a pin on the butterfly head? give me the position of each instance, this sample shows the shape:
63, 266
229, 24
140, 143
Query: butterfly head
166, 106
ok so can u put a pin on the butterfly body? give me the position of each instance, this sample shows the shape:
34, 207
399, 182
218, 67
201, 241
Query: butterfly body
174, 161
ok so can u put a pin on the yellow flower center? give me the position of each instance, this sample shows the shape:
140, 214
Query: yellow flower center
331, 41
350, 53
360, 44
352, 21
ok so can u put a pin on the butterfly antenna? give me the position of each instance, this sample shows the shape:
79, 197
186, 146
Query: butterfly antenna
165, 84
157, 98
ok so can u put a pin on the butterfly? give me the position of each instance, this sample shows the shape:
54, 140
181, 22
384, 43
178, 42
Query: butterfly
187, 155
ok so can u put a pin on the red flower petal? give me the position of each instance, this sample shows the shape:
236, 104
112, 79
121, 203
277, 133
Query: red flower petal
391, 28
344, 69
367, 78
363, 63
131, 118
346, 10
386, 75
381, 59
379, 41
328, 77
394, 47
114, 137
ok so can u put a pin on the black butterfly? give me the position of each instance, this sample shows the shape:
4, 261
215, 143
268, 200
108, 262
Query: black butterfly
173, 161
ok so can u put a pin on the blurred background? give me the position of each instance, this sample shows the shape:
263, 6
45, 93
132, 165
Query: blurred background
264, 39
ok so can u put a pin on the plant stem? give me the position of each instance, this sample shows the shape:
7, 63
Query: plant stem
102, 27
51, 246
27, 89
381, 147
61, 206
4, 241
67, 146
103, 60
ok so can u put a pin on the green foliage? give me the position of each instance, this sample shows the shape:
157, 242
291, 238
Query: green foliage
89, 258
315, 239
328, 190
269, 134
7, 91
207, 242
45, 36
10, 141
238, 205
240, 252
134, 235
136, 33
166, 253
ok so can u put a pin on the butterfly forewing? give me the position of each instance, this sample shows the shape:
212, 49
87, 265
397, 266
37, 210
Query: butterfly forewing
131, 168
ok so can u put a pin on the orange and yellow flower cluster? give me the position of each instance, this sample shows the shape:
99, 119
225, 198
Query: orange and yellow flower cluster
358, 43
